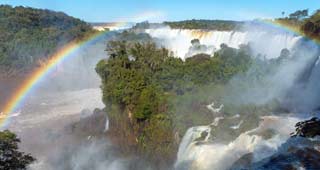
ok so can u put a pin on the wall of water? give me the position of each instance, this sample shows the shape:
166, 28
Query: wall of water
268, 43
201, 152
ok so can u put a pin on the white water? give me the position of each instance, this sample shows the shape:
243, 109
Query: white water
55, 106
268, 43
203, 153
186, 152
211, 155
214, 110
106, 127
237, 126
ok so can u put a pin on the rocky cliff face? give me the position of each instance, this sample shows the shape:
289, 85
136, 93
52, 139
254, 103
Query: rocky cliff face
150, 140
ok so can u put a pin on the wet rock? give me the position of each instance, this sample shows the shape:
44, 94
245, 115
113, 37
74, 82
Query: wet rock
244, 162
203, 136
85, 113
268, 134
294, 158
298, 152
92, 125
309, 128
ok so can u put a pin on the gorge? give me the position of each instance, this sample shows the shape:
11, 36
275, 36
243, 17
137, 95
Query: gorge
162, 96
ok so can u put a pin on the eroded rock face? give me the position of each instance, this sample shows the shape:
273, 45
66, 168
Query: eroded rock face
309, 128
307, 158
90, 124
244, 162
294, 154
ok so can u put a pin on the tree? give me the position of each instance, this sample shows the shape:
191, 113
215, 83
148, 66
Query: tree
29, 35
10, 157
195, 42
148, 103
300, 14
311, 26
139, 81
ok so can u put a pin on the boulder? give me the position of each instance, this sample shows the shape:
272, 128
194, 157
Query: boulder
309, 128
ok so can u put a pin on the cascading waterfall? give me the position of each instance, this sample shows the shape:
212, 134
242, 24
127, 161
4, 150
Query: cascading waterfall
106, 127
194, 134
201, 148
202, 151
198, 151
267, 43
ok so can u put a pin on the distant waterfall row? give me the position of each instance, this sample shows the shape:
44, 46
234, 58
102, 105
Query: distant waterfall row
266, 43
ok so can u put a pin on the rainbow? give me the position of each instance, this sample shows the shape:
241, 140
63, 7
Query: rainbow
288, 28
62, 54
37, 75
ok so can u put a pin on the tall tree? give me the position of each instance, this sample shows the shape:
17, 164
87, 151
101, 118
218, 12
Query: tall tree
10, 157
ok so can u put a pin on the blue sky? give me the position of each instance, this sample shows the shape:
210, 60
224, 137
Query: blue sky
160, 10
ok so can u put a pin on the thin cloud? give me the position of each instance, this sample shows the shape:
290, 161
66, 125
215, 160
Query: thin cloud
151, 15
249, 15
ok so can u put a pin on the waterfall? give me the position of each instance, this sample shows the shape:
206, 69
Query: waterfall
106, 127
303, 95
190, 139
265, 42
197, 151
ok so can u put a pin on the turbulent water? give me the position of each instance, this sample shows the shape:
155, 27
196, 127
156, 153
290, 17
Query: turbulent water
207, 154
265, 42
72, 92
200, 148
43, 108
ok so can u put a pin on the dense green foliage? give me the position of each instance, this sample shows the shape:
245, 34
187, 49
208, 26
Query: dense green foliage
300, 14
140, 81
294, 20
135, 73
10, 157
220, 25
152, 97
30, 35
311, 25
239, 74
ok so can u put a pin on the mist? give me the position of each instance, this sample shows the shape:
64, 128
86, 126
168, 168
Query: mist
292, 85
266, 43
76, 137
264, 39
59, 124
277, 85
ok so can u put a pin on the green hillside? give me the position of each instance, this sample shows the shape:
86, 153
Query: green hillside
28, 35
